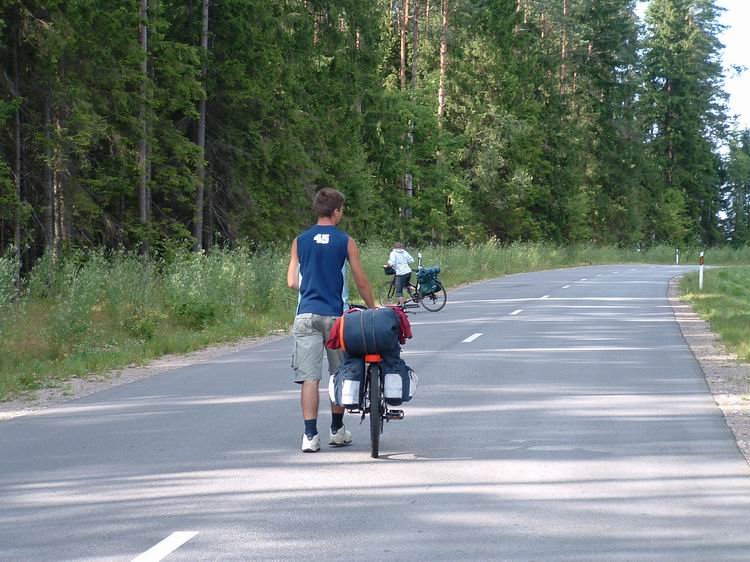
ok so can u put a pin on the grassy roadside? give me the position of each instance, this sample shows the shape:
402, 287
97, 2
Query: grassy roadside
725, 304
94, 312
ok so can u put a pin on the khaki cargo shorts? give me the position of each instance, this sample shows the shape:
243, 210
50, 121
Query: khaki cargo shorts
310, 333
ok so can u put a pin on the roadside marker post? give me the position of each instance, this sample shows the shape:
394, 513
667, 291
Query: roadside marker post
700, 273
677, 256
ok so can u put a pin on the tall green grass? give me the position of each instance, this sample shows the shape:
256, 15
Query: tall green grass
95, 311
725, 303
8, 268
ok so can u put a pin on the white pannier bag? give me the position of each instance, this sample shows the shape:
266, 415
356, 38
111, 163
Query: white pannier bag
346, 386
399, 381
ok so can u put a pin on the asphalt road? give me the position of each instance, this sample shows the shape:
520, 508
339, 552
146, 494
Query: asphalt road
577, 426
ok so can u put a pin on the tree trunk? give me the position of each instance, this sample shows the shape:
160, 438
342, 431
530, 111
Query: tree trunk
143, 147
521, 5
17, 165
404, 28
564, 46
149, 150
670, 139
58, 195
316, 23
443, 60
48, 178
19, 202
198, 221
210, 225
415, 45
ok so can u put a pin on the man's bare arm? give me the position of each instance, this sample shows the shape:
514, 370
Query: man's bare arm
292, 273
360, 278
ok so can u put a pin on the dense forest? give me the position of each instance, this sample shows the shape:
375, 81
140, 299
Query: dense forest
154, 125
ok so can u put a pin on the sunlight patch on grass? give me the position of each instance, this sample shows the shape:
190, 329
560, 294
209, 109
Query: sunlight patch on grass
726, 307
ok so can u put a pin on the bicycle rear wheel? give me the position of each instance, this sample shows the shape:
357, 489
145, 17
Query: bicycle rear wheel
411, 296
388, 294
376, 409
435, 301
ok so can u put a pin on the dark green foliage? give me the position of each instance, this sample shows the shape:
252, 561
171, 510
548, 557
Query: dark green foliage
611, 139
683, 105
738, 189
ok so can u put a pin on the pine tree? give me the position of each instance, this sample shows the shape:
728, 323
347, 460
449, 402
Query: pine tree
201, 140
608, 85
738, 188
684, 108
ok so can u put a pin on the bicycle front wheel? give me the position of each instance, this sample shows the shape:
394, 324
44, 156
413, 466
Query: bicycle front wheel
435, 301
376, 410
388, 294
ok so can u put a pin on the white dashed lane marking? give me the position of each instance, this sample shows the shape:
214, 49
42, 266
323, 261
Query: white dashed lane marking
472, 337
566, 287
516, 312
162, 549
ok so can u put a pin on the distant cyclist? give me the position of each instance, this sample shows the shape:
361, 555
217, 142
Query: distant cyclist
317, 269
399, 260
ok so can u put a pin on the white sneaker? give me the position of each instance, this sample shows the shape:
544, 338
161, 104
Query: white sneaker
340, 438
310, 445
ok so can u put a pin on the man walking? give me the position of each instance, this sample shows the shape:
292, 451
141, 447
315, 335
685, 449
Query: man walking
317, 269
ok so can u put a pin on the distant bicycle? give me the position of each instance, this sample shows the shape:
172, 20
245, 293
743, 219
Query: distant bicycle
428, 292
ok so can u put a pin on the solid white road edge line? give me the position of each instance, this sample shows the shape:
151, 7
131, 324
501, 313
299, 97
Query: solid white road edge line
472, 337
515, 312
170, 544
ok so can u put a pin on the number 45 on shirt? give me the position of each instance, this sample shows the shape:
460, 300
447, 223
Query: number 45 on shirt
322, 238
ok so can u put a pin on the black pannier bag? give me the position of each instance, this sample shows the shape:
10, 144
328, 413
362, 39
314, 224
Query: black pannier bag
346, 387
399, 381
371, 331
427, 277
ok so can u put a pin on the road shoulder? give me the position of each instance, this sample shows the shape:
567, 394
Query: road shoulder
727, 378
78, 387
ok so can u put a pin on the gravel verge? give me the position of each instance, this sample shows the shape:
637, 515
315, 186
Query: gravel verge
727, 378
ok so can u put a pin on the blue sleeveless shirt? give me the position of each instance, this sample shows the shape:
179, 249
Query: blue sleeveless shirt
322, 252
